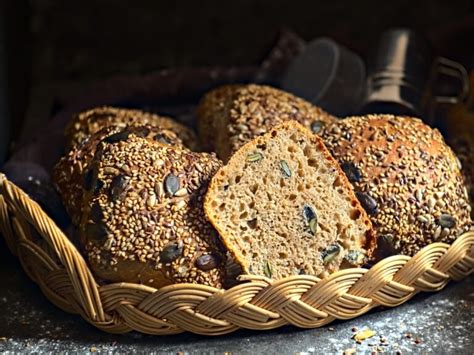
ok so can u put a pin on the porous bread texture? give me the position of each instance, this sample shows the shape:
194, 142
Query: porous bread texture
407, 178
231, 116
282, 207
89, 122
143, 219
68, 174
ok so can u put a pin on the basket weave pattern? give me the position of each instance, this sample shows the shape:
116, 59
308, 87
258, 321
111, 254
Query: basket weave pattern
54, 263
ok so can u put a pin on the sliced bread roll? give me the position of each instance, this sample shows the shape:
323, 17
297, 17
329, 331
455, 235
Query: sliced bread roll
283, 206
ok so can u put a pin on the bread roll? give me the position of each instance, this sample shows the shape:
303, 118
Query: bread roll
406, 177
231, 116
283, 207
143, 220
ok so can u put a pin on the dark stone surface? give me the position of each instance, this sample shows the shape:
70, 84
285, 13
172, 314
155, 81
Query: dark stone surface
442, 322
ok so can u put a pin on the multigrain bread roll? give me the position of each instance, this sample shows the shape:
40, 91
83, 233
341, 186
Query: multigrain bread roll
231, 116
70, 172
89, 122
463, 146
405, 176
144, 220
283, 207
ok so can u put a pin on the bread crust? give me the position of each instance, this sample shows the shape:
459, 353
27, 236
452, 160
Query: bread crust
89, 122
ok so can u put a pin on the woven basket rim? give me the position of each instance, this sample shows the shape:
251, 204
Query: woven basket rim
305, 301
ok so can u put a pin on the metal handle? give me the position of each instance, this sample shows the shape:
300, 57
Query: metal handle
455, 70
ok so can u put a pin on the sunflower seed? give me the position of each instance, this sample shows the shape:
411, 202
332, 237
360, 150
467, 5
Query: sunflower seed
267, 269
285, 168
207, 262
171, 184
351, 171
171, 252
446, 221
181, 192
330, 253
437, 233
151, 202
108, 243
252, 158
317, 126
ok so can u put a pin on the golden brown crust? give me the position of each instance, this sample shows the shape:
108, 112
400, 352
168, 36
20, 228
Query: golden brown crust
144, 219
89, 122
211, 110
237, 114
68, 174
249, 149
407, 177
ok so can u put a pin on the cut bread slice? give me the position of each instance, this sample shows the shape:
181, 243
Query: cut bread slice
283, 206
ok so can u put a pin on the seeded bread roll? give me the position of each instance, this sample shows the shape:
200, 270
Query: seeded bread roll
89, 122
463, 146
231, 116
70, 172
144, 220
405, 176
282, 207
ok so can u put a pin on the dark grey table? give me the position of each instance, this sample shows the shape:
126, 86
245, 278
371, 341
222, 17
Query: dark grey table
430, 323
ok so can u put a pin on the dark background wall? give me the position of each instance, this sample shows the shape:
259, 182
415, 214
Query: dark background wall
52, 43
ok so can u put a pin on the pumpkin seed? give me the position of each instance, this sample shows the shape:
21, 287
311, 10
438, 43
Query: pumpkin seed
385, 246
330, 253
285, 168
207, 262
96, 231
446, 221
171, 184
252, 158
267, 269
311, 218
313, 225
141, 132
317, 126
117, 187
351, 171
171, 252
161, 138
355, 257
97, 215
308, 213
369, 204
117, 137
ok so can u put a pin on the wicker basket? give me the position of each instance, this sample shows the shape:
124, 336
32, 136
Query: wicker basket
53, 262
